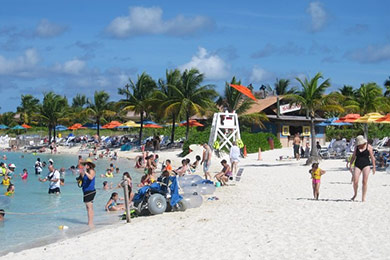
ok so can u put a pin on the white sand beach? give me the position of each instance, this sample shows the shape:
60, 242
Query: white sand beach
269, 214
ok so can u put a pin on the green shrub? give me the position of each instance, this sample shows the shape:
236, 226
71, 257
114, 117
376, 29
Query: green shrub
252, 141
258, 140
196, 138
374, 131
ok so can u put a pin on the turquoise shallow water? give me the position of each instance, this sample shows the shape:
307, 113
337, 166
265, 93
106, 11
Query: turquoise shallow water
39, 214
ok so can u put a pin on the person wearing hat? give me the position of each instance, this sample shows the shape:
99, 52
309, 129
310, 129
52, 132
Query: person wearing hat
361, 156
11, 169
88, 185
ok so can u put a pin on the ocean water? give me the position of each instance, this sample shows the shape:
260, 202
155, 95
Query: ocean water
33, 216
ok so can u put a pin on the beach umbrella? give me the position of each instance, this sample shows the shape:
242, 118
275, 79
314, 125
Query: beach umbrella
349, 118
76, 126
332, 122
91, 126
148, 122
129, 124
192, 123
152, 126
369, 118
244, 90
366, 119
2, 127
61, 128
112, 125
384, 120
18, 127
26, 126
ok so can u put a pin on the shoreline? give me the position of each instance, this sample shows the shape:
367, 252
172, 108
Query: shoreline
269, 214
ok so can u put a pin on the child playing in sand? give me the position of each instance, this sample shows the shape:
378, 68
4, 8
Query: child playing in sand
225, 173
112, 204
316, 174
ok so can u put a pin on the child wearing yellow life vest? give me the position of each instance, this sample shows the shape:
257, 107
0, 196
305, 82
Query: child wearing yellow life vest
6, 180
10, 190
316, 174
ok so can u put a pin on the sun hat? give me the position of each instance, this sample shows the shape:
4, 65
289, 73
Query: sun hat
11, 165
360, 140
51, 160
90, 162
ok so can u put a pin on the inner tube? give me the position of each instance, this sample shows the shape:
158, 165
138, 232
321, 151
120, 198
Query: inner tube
188, 180
193, 200
203, 189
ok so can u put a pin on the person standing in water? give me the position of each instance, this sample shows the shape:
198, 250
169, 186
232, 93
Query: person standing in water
38, 166
88, 186
361, 156
54, 178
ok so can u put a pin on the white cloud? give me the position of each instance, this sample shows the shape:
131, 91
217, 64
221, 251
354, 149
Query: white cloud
73, 67
318, 16
210, 64
47, 29
370, 54
142, 21
21, 66
259, 74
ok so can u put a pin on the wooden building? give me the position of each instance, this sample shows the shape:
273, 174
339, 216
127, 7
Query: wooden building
285, 121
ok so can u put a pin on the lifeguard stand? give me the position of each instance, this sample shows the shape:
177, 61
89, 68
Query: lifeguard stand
225, 129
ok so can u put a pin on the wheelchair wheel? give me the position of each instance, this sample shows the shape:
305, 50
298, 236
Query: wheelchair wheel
157, 204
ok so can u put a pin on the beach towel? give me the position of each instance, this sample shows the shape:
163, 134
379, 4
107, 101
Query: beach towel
175, 196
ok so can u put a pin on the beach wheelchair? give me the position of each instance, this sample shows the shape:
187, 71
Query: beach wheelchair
159, 197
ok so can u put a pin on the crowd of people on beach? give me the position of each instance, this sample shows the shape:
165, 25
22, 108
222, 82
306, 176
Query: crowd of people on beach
148, 162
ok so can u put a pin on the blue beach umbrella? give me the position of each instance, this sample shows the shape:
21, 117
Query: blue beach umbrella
148, 122
3, 127
18, 127
332, 122
91, 126
61, 128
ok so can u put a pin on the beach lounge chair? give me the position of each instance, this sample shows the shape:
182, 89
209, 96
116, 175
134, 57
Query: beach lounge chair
325, 152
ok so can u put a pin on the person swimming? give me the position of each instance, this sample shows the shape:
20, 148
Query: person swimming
10, 190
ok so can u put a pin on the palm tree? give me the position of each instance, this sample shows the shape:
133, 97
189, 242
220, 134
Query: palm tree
137, 97
387, 86
368, 98
311, 99
233, 100
347, 91
163, 97
281, 87
191, 97
54, 108
8, 119
79, 101
29, 105
99, 108
78, 110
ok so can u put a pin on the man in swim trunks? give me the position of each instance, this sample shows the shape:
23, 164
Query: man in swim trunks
206, 160
297, 145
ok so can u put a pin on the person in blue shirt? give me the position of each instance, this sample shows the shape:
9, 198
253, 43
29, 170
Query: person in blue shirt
88, 185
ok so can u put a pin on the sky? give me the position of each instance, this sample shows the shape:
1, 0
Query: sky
75, 46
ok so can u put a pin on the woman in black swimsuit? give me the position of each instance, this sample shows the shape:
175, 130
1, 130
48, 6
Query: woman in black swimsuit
362, 154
